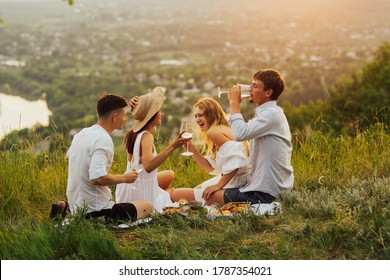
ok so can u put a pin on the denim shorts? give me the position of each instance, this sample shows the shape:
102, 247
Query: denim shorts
118, 212
254, 197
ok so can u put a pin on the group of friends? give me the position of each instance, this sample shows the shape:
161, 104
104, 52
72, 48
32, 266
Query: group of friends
255, 173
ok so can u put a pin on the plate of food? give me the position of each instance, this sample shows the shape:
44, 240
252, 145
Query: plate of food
172, 208
237, 207
228, 209
183, 207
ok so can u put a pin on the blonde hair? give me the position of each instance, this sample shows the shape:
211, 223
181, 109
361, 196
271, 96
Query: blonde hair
215, 116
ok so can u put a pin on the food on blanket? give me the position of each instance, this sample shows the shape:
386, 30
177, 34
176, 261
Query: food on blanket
236, 207
214, 210
184, 205
170, 210
195, 205
183, 201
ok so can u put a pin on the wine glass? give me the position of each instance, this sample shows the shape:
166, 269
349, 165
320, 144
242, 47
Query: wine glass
244, 91
187, 127
133, 167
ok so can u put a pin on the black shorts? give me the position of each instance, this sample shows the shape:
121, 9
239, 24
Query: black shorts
254, 197
118, 212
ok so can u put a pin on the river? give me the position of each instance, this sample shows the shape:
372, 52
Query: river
17, 113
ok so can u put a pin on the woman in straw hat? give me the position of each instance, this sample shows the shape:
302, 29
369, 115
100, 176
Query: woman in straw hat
226, 158
142, 155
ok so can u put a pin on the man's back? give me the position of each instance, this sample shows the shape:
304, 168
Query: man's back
90, 157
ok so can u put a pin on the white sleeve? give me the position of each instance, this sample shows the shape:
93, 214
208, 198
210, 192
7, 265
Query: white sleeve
254, 128
101, 160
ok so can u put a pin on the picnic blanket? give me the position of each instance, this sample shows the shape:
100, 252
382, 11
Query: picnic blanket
258, 209
267, 208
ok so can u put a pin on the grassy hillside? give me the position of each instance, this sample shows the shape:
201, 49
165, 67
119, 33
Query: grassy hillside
338, 209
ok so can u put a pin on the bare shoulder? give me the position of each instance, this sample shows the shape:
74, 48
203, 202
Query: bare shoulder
219, 129
215, 130
147, 137
147, 144
220, 134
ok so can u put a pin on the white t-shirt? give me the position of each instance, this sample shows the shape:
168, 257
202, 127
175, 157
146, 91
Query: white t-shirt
90, 157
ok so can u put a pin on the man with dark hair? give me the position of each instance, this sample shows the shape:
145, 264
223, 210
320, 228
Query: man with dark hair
90, 158
110, 102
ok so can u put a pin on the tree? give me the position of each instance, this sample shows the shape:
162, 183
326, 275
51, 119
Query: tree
363, 99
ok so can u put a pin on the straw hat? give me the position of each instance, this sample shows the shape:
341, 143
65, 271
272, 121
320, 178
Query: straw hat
148, 105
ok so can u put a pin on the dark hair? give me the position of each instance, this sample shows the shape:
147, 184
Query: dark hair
271, 79
131, 136
110, 102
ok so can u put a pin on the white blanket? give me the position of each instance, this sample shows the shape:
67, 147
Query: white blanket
267, 208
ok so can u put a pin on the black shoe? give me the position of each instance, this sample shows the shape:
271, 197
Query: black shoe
56, 210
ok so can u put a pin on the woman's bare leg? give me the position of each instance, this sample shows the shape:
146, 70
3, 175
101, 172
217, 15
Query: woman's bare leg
186, 193
165, 179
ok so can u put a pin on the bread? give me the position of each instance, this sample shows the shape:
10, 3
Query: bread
183, 201
170, 210
236, 207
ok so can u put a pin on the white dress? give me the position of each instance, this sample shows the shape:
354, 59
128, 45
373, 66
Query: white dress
230, 156
146, 185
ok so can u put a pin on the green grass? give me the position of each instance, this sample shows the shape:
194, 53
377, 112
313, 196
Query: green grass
338, 209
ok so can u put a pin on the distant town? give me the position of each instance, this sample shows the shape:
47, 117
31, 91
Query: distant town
190, 47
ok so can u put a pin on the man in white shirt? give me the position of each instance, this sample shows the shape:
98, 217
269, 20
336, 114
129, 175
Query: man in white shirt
90, 158
270, 141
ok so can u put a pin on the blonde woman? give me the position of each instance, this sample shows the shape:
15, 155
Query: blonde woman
225, 158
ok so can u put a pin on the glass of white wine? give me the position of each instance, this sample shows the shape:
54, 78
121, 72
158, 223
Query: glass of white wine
188, 128
244, 91
133, 167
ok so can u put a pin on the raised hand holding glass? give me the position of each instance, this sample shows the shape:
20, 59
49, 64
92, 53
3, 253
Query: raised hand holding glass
187, 127
244, 91
134, 168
